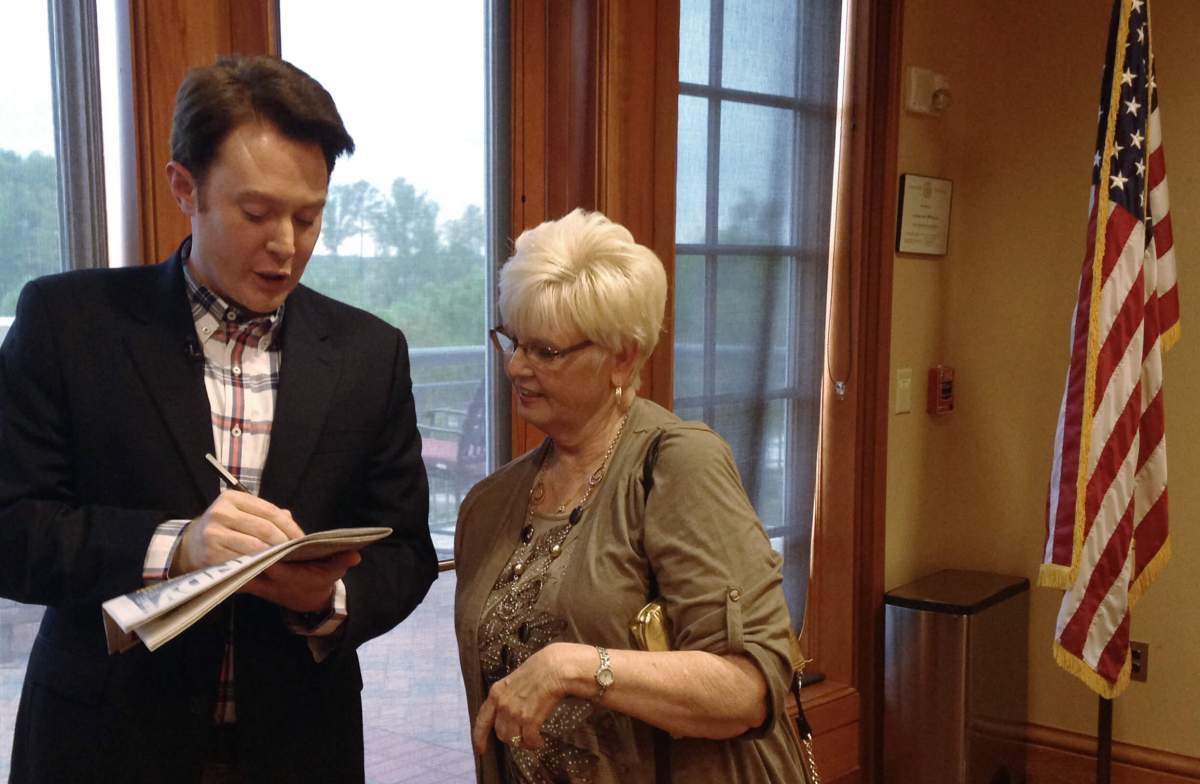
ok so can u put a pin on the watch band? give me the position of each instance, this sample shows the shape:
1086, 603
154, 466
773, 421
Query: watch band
604, 674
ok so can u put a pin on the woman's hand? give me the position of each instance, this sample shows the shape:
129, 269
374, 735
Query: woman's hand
517, 705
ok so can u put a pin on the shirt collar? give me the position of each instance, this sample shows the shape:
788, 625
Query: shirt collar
214, 316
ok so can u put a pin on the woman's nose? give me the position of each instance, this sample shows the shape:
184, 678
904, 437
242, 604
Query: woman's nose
516, 364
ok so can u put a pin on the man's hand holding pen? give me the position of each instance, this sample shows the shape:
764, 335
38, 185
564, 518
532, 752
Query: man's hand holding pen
239, 523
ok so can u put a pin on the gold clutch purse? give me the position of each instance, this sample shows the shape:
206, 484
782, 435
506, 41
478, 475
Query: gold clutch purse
650, 628
651, 631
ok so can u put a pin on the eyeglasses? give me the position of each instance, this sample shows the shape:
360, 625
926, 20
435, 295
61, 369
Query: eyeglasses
539, 354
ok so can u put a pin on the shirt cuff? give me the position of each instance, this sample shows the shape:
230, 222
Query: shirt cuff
161, 553
321, 624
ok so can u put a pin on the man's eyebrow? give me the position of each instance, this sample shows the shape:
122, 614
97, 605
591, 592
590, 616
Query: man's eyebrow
253, 195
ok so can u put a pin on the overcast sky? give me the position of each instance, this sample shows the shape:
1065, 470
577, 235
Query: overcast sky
408, 77
26, 112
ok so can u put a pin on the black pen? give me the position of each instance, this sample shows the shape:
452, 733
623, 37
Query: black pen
224, 472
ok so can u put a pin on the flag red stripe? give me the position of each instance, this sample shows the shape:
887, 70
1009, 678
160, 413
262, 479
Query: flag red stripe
1150, 534
1121, 224
1105, 572
1151, 431
1157, 164
1063, 524
1113, 657
1164, 237
1123, 330
1108, 465
1168, 308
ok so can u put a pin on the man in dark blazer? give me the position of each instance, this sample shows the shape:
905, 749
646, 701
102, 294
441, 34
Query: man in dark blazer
113, 387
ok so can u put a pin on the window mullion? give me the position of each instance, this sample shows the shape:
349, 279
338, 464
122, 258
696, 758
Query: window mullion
75, 65
712, 207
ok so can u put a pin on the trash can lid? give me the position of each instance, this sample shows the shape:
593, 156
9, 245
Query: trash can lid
956, 592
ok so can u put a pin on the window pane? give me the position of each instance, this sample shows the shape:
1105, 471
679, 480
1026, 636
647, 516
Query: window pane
694, 18
757, 434
403, 233
760, 46
689, 326
815, 136
692, 171
29, 231
759, 315
404, 236
753, 303
757, 172
820, 41
29, 248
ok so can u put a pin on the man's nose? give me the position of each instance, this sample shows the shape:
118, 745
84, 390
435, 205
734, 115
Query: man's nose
283, 244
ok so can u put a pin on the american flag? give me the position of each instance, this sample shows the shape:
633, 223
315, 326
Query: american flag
1106, 517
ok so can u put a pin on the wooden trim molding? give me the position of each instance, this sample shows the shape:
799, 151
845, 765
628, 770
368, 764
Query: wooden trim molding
638, 86
167, 38
595, 89
844, 625
553, 125
833, 710
1057, 756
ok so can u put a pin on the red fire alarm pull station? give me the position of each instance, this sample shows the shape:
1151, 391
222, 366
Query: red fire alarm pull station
941, 390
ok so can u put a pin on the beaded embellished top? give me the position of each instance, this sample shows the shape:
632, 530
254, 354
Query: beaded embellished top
512, 629
707, 551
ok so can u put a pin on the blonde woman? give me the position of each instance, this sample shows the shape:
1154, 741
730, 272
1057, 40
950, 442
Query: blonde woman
558, 550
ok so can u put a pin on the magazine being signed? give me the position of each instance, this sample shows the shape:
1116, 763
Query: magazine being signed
157, 613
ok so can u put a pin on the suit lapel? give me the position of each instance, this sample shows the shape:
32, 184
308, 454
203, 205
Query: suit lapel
308, 378
159, 349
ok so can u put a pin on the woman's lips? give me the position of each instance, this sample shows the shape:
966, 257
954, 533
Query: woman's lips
527, 395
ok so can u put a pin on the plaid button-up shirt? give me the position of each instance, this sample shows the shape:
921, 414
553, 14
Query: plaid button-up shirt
242, 358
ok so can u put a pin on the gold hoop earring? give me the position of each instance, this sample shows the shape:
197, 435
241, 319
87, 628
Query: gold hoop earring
618, 394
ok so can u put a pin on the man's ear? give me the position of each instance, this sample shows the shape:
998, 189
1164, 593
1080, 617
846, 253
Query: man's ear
183, 188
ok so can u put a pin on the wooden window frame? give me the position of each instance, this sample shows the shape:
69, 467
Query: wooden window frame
184, 34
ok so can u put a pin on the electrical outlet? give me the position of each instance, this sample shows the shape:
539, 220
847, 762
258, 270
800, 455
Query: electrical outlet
1139, 664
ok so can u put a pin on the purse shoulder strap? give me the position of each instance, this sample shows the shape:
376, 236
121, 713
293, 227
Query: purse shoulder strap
648, 464
662, 741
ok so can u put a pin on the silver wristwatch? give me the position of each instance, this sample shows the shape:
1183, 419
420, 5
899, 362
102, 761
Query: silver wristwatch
604, 673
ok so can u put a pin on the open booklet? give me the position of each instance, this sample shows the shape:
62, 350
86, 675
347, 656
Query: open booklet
157, 613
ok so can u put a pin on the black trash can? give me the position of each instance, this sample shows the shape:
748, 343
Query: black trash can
956, 679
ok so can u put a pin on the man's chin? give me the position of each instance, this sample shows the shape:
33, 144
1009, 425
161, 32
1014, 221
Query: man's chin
261, 303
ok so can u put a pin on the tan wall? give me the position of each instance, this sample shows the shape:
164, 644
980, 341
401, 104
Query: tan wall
969, 490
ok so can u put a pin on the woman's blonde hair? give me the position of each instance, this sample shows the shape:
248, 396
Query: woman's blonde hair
584, 272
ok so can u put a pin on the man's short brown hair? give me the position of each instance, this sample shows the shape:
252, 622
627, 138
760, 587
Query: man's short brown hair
214, 100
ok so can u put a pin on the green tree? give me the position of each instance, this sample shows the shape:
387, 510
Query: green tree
405, 229
348, 211
462, 250
29, 232
427, 280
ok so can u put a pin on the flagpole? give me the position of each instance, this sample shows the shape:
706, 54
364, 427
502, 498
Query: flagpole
1104, 742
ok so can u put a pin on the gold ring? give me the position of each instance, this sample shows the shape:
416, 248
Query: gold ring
515, 740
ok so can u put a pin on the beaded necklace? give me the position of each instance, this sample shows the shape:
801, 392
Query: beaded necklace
538, 491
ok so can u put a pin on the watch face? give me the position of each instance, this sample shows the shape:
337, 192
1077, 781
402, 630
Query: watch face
605, 677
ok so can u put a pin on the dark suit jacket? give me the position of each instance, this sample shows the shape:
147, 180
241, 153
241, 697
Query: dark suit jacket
104, 423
